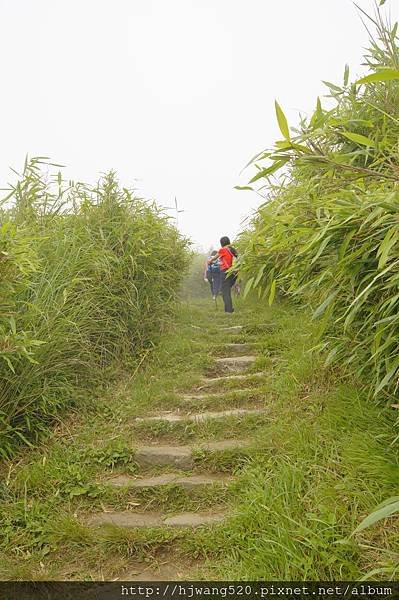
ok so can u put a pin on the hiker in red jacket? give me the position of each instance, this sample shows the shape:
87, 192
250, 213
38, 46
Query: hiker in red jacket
226, 256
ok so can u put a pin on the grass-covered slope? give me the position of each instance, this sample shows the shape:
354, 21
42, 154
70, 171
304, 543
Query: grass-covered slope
328, 233
88, 277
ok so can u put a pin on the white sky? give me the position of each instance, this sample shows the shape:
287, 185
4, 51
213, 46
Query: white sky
175, 95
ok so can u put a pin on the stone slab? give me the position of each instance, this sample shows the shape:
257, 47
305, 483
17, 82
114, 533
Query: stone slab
148, 482
177, 456
134, 520
188, 483
126, 519
205, 416
194, 519
238, 347
233, 328
218, 396
211, 380
181, 457
235, 363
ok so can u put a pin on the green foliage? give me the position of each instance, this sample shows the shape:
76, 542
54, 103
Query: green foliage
328, 232
89, 277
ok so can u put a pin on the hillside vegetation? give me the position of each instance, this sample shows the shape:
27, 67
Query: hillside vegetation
327, 233
88, 277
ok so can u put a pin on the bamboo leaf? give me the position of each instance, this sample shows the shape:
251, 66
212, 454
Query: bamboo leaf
283, 144
333, 87
282, 121
272, 169
387, 377
358, 138
248, 286
386, 245
346, 75
320, 309
382, 75
259, 275
321, 248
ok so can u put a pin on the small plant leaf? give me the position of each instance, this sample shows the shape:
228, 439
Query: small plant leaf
282, 121
388, 510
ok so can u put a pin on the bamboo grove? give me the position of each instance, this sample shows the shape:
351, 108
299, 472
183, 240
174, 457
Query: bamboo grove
328, 231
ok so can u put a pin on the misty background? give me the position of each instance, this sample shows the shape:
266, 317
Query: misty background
175, 95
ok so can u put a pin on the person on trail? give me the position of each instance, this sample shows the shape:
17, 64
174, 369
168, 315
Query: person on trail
212, 274
226, 256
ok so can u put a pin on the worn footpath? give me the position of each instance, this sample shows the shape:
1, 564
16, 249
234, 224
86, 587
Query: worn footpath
230, 453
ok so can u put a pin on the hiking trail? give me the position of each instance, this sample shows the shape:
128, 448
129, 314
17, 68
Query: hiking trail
230, 453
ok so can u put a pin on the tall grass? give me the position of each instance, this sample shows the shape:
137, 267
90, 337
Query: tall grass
328, 232
89, 276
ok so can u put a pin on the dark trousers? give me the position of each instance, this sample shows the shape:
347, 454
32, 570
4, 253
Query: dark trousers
214, 278
228, 280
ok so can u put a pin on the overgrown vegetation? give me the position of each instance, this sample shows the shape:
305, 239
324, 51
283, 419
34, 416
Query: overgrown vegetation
88, 278
328, 232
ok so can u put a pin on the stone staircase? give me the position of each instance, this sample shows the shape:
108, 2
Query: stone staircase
182, 465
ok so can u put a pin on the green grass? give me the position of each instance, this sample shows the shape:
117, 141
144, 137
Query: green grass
320, 462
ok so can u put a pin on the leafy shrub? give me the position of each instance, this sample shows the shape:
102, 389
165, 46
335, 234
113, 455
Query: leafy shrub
89, 277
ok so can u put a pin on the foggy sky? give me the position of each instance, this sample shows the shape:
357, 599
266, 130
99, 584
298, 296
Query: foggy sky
175, 95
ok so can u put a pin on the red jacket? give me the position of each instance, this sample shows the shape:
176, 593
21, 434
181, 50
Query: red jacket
226, 256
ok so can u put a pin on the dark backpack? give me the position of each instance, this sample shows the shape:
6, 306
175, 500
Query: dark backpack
214, 267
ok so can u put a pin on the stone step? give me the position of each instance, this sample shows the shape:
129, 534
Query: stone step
212, 380
216, 396
182, 457
130, 519
235, 363
254, 328
190, 482
238, 347
233, 329
199, 417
